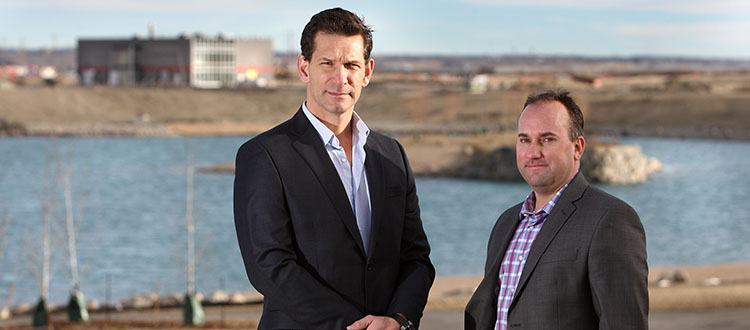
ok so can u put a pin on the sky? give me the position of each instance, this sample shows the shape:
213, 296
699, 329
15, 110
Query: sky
686, 28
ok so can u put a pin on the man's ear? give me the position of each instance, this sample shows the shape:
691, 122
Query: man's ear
579, 145
369, 67
303, 67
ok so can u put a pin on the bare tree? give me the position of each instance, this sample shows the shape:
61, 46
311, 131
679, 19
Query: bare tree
48, 200
69, 220
4, 223
189, 199
192, 311
76, 307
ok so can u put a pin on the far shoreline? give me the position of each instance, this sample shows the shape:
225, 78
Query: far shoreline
396, 129
701, 287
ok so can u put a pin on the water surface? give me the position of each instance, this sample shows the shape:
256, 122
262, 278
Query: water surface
132, 224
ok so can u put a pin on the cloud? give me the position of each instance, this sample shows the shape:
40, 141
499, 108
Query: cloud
711, 32
166, 6
670, 6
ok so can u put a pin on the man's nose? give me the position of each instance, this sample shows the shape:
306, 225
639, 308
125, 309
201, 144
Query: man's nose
533, 150
340, 76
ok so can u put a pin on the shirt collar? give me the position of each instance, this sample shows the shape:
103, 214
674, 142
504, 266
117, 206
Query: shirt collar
360, 131
325, 134
530, 202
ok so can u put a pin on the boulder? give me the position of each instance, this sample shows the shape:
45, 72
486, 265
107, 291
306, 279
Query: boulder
218, 297
4, 313
172, 300
22, 309
618, 164
93, 305
237, 298
605, 163
141, 301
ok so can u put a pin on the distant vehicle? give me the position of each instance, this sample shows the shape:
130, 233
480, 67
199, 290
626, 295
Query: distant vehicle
49, 75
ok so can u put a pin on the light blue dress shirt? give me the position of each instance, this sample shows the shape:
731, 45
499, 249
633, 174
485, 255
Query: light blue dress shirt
352, 177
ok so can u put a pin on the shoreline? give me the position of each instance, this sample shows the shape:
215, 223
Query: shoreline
703, 287
689, 305
397, 129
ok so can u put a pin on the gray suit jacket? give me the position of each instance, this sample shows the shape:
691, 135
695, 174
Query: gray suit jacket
299, 237
586, 269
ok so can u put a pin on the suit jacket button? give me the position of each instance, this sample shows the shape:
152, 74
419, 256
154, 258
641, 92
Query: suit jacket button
370, 267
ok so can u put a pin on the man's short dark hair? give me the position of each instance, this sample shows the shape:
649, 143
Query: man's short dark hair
563, 96
335, 21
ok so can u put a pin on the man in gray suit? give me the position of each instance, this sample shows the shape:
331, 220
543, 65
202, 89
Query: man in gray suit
570, 256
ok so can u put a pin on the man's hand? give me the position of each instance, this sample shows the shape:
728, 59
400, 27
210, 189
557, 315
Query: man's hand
372, 322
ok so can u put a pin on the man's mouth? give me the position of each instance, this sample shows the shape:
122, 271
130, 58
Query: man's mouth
535, 165
338, 94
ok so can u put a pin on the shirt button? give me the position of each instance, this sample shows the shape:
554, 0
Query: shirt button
343, 160
520, 258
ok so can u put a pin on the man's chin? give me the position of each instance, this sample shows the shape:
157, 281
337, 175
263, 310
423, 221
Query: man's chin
341, 107
535, 180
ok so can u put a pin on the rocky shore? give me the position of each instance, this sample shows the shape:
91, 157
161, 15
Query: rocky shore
491, 157
688, 288
136, 129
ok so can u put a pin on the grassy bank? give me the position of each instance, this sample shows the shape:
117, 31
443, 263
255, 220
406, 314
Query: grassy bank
413, 108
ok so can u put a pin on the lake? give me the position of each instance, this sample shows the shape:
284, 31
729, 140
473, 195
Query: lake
131, 195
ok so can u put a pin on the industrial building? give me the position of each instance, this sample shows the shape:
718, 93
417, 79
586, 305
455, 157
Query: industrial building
189, 60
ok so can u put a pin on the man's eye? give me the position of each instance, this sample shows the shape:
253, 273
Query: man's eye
549, 139
524, 140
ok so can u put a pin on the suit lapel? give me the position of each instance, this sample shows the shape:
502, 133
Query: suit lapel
552, 225
376, 184
506, 226
311, 149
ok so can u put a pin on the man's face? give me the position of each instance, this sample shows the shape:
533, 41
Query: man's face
546, 157
335, 74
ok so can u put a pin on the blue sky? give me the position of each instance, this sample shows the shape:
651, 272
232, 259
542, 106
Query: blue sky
708, 28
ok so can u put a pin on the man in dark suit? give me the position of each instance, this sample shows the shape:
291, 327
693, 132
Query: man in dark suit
570, 256
326, 211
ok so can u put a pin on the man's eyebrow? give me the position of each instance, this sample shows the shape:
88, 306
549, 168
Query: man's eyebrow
542, 134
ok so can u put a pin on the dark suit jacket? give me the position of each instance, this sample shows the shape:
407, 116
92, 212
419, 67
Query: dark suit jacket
586, 269
300, 241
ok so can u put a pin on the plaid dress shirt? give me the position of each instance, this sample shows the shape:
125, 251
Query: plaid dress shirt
517, 252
